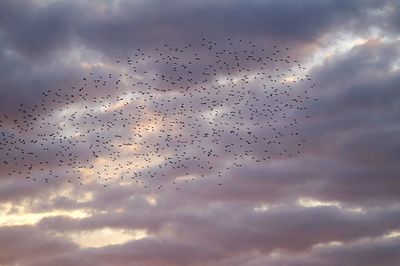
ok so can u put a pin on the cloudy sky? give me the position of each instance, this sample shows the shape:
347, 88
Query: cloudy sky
337, 203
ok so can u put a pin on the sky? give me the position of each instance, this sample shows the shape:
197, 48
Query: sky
335, 203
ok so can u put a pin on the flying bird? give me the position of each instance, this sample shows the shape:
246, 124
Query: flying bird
165, 116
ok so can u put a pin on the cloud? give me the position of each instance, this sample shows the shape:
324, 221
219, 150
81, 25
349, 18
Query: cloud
335, 203
25, 244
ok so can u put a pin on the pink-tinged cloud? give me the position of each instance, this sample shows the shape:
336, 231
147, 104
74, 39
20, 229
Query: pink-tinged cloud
335, 203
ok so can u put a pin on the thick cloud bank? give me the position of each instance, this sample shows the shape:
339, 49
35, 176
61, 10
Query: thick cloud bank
334, 203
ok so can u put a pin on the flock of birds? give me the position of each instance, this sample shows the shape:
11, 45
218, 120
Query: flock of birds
163, 116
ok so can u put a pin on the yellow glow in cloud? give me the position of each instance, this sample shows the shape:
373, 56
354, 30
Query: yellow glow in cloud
328, 244
13, 214
90, 65
392, 234
184, 178
312, 203
151, 199
106, 236
34, 218
309, 203
261, 208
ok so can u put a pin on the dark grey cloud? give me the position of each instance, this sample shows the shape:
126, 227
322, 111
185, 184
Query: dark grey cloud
350, 157
34, 30
25, 244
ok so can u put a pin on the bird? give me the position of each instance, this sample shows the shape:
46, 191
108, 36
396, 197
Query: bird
165, 113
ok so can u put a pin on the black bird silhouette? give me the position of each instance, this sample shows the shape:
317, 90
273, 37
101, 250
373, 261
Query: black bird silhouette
173, 115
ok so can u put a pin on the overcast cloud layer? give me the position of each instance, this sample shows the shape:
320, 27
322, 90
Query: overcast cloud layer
338, 203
